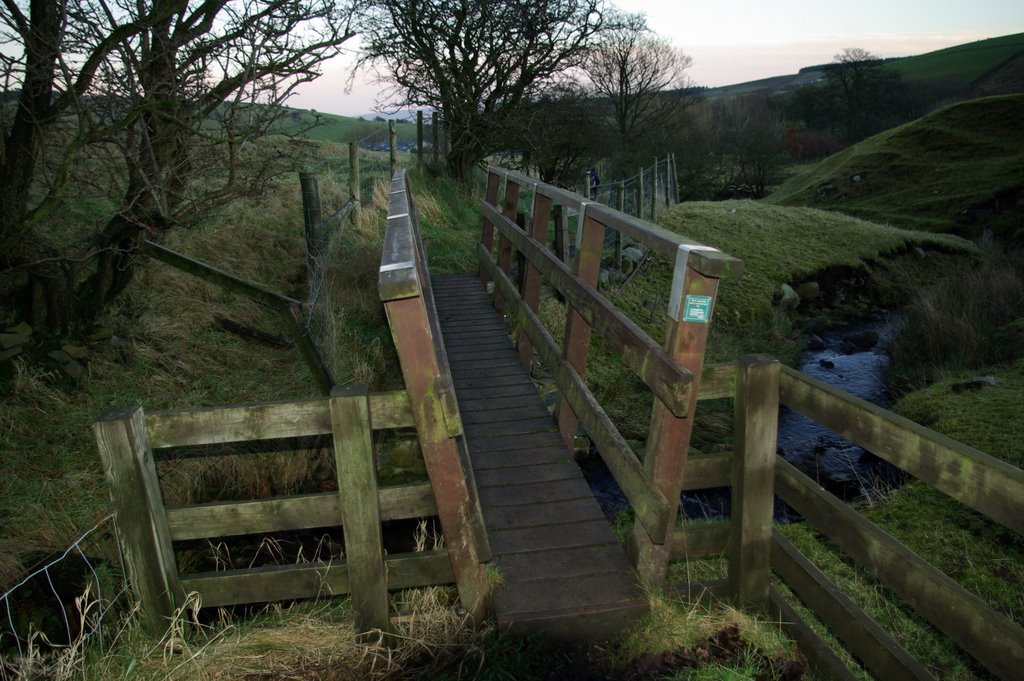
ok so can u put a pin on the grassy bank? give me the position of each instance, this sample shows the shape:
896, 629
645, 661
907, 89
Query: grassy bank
959, 169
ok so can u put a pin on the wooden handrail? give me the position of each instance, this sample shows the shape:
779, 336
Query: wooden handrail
658, 239
669, 381
974, 478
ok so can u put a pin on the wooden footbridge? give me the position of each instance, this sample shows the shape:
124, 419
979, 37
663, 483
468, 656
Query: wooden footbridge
524, 539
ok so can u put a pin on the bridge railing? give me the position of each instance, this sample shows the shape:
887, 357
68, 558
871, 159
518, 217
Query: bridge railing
405, 289
131, 443
671, 370
755, 548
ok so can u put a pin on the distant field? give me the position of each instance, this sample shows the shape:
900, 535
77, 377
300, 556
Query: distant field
962, 64
343, 129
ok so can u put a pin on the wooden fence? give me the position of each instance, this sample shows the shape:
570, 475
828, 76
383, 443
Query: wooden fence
672, 371
755, 549
130, 443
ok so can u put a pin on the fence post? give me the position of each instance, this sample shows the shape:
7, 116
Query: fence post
753, 479
689, 317
310, 186
509, 210
675, 179
142, 522
360, 507
393, 144
435, 136
487, 235
419, 140
620, 204
654, 189
640, 196
668, 190
587, 266
353, 183
532, 277
561, 233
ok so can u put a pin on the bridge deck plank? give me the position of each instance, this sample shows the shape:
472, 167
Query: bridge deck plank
564, 572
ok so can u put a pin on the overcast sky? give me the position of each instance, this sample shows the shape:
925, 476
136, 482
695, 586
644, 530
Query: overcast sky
742, 40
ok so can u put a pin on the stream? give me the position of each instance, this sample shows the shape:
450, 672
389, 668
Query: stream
852, 357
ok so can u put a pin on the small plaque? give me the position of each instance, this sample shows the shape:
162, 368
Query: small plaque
697, 309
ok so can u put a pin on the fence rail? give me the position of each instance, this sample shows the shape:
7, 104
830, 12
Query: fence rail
968, 476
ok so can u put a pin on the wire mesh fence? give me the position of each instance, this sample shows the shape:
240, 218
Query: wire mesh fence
69, 602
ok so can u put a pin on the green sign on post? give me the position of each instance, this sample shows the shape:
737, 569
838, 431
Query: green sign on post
697, 309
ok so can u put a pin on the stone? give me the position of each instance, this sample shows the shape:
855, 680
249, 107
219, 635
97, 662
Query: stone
808, 290
863, 340
10, 340
826, 364
67, 364
23, 328
815, 342
789, 298
75, 351
856, 178
816, 325
10, 353
100, 333
632, 254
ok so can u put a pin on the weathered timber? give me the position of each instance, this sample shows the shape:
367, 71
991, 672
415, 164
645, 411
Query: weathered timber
487, 235
354, 189
705, 471
537, 508
875, 648
135, 493
213, 275
406, 292
668, 441
360, 510
266, 421
651, 506
638, 351
753, 479
312, 580
311, 211
992, 639
337, 218
708, 263
300, 512
576, 345
984, 483
252, 333
533, 276
823, 661
512, 190
718, 381
700, 539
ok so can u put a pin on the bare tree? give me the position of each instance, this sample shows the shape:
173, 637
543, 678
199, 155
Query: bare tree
642, 75
476, 61
866, 95
180, 87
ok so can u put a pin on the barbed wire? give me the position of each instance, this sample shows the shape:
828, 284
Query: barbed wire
104, 605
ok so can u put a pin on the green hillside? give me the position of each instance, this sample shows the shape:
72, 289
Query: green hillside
327, 127
958, 169
961, 64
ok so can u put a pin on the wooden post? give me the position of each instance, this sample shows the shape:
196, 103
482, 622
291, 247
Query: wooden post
435, 136
753, 479
675, 179
393, 144
311, 217
689, 318
360, 507
668, 190
640, 196
410, 330
504, 246
654, 189
561, 233
487, 235
142, 522
532, 277
577, 331
419, 140
353, 182
620, 200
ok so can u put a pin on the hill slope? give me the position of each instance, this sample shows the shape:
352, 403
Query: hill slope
959, 169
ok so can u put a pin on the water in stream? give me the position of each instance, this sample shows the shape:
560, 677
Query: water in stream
840, 466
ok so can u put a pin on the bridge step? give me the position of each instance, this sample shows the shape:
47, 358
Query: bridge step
565, 575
